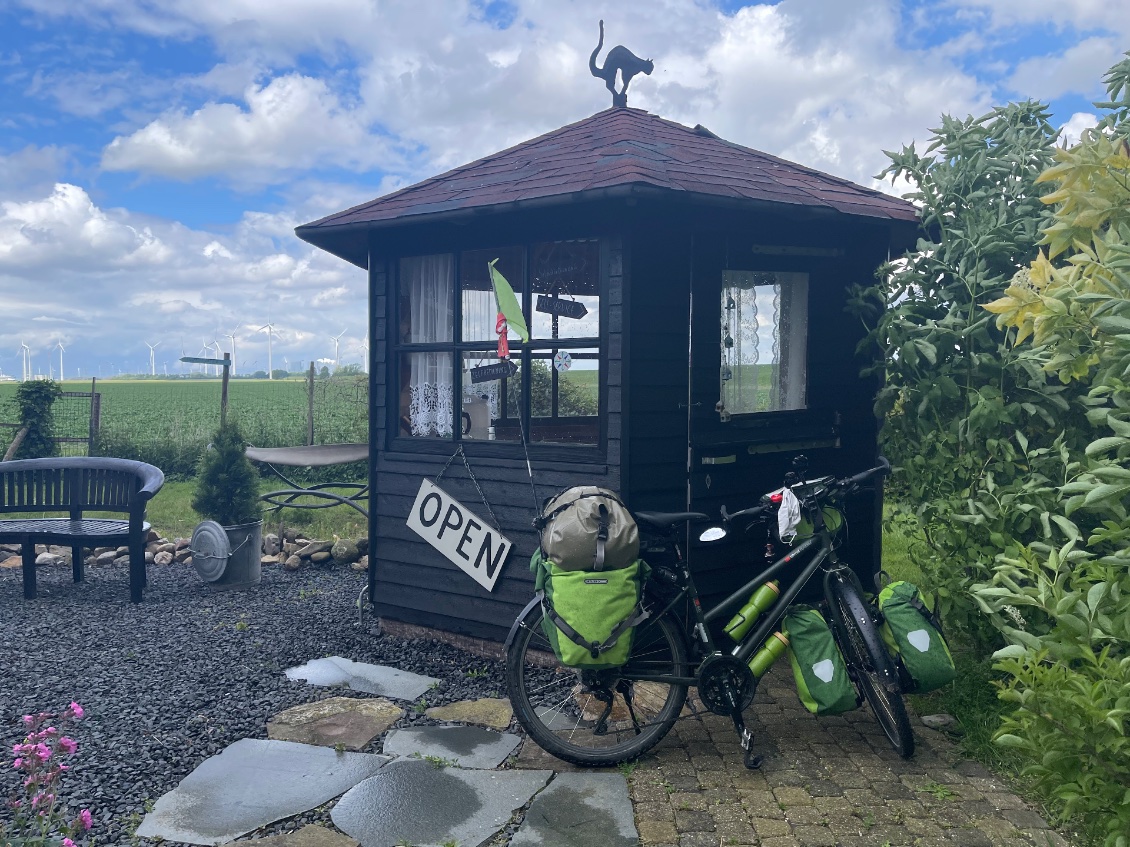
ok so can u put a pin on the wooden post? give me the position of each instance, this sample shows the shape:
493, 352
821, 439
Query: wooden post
224, 391
310, 406
95, 418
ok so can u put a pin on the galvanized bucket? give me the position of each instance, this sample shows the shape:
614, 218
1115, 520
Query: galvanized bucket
228, 556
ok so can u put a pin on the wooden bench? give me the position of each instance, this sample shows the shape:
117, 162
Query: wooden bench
76, 486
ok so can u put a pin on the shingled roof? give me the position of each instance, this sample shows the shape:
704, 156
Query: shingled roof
617, 151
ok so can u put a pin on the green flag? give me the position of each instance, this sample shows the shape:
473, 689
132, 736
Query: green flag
508, 305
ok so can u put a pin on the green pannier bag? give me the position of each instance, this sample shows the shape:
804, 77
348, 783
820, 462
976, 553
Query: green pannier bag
590, 616
819, 669
912, 634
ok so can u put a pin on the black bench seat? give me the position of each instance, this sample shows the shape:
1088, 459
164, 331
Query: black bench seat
77, 485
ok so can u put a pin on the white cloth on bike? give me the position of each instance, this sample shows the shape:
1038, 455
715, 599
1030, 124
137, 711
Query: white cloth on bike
788, 516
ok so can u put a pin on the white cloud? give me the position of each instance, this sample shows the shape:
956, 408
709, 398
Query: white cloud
1071, 131
291, 122
108, 279
1077, 70
1081, 15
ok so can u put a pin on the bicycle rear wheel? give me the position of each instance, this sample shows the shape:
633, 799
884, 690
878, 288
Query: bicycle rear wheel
561, 707
874, 671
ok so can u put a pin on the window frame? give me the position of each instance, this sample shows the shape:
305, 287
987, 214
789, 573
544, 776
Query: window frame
522, 352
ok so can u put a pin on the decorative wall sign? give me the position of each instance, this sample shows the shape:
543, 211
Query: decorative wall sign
460, 535
499, 370
562, 308
562, 361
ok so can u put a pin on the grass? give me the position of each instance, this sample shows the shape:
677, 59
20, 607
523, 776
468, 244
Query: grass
171, 513
972, 697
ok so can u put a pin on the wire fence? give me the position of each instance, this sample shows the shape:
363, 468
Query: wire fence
169, 423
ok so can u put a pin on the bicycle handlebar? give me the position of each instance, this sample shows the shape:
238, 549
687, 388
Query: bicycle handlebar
882, 469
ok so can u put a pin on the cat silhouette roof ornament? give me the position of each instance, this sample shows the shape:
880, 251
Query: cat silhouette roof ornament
621, 59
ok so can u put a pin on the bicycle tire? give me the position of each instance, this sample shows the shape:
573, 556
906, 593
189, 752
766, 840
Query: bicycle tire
560, 714
874, 671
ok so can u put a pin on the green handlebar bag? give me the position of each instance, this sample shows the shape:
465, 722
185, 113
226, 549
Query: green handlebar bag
819, 669
912, 634
590, 616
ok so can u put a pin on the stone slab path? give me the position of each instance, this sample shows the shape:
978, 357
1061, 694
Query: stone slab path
414, 802
250, 784
579, 809
464, 746
371, 679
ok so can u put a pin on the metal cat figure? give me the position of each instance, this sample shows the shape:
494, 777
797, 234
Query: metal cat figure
621, 59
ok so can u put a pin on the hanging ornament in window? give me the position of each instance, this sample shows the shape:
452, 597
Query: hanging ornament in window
562, 361
727, 373
562, 308
728, 342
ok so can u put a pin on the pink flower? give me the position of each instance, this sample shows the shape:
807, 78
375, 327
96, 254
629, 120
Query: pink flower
28, 720
68, 745
68, 843
76, 710
42, 799
17, 763
42, 751
84, 819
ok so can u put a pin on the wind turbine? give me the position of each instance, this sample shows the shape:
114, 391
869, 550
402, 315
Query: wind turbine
219, 355
337, 347
62, 349
231, 335
205, 353
270, 327
365, 356
152, 362
25, 352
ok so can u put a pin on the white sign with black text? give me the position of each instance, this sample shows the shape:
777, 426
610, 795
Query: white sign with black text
459, 534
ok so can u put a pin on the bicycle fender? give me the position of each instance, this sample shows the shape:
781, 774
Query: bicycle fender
521, 617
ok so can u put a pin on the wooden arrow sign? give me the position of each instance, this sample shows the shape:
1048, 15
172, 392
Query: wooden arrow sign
500, 370
193, 360
562, 308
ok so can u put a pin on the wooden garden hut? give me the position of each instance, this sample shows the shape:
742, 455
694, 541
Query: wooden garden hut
685, 298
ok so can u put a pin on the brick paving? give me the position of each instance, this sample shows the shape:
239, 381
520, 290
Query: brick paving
826, 782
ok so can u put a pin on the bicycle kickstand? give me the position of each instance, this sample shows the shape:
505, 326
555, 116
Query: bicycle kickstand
752, 760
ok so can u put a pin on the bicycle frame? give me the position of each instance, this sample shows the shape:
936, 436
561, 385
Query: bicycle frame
821, 541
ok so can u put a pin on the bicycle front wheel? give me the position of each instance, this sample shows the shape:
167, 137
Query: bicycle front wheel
871, 665
562, 708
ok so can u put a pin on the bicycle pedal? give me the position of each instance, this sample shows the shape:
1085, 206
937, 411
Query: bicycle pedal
747, 740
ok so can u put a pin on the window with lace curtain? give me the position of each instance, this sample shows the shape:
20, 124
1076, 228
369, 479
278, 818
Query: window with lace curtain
764, 342
447, 316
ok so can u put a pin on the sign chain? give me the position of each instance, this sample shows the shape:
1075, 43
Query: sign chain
470, 473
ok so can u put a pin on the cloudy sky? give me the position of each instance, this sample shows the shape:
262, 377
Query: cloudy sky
156, 155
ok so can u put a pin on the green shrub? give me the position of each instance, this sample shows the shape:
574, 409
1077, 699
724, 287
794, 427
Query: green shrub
227, 490
36, 399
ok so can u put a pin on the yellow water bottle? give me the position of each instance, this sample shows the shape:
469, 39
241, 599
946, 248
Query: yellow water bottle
764, 658
759, 601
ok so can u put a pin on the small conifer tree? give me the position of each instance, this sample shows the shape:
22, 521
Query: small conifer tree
227, 488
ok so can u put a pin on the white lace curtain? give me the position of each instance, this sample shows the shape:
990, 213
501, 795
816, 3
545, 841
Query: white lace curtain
427, 280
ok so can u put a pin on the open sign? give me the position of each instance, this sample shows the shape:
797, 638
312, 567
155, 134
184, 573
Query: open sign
459, 534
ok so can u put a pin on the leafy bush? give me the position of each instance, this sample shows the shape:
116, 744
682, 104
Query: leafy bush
1065, 609
36, 399
967, 422
228, 489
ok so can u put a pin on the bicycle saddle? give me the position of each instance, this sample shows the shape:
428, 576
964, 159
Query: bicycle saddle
665, 520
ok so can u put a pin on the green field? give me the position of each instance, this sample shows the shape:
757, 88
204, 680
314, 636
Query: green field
168, 422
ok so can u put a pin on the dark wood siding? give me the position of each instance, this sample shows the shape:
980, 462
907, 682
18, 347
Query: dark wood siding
416, 584
664, 263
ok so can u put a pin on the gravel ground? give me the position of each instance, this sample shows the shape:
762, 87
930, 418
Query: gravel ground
171, 681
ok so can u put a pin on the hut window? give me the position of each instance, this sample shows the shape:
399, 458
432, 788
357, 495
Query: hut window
426, 317
565, 271
476, 295
764, 341
447, 313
